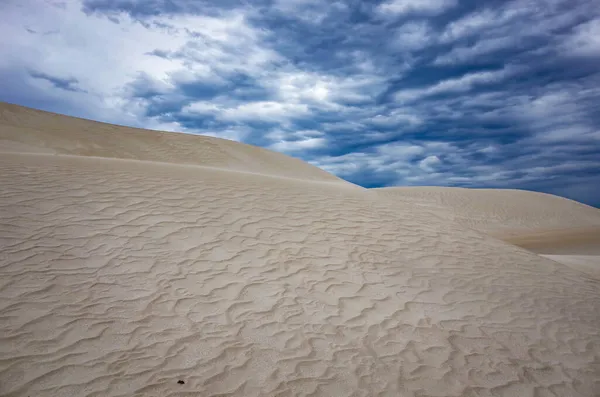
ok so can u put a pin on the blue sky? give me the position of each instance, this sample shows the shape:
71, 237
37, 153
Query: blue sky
382, 93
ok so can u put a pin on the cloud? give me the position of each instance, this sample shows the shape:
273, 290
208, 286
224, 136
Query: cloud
428, 163
290, 146
476, 51
463, 83
67, 84
413, 36
390, 162
397, 117
483, 20
517, 27
260, 111
140, 8
310, 11
422, 7
585, 41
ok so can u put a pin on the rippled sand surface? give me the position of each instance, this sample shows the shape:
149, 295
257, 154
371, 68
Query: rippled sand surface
557, 228
122, 275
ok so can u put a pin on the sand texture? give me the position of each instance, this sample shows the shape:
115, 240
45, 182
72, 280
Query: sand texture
502, 212
555, 227
121, 275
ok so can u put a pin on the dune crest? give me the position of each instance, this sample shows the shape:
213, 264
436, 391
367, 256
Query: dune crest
123, 278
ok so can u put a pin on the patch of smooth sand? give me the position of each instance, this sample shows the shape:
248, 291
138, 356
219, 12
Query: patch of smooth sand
120, 278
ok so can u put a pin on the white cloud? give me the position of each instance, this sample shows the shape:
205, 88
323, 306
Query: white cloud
295, 140
481, 21
459, 84
585, 40
248, 111
280, 134
202, 108
518, 24
310, 11
413, 36
467, 81
396, 159
549, 104
480, 48
428, 163
294, 93
265, 110
296, 85
467, 25
102, 55
489, 150
222, 46
400, 117
290, 146
400, 151
423, 7
319, 89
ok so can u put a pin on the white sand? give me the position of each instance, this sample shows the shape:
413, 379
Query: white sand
121, 277
589, 264
554, 227
502, 212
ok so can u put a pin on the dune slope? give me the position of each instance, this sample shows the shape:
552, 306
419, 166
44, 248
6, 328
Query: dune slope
121, 277
34, 131
558, 228
502, 212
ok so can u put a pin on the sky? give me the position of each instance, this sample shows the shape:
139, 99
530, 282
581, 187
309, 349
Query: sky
502, 94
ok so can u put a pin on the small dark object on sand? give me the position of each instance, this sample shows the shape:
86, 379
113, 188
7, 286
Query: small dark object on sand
181, 382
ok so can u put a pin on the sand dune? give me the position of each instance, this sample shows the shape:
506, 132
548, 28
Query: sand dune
502, 212
556, 227
122, 274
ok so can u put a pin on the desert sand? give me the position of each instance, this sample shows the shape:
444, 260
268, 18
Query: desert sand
554, 227
132, 260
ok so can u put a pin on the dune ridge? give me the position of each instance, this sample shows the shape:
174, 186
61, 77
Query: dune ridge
121, 277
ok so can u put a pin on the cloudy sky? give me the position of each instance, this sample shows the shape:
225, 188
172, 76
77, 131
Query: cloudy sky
382, 92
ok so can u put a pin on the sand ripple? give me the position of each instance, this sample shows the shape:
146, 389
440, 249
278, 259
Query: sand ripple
119, 279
